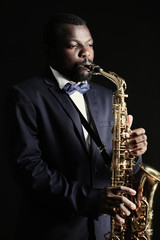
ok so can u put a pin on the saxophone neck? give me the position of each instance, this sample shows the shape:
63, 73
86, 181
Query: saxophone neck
118, 81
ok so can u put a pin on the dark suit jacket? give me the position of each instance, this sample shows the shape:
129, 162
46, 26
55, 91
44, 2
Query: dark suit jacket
61, 179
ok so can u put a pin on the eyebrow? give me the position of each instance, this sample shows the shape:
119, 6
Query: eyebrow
76, 40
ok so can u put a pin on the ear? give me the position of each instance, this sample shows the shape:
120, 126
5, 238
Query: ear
130, 120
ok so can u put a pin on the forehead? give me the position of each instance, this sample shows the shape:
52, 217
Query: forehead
70, 32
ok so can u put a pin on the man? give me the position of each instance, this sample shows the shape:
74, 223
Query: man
63, 174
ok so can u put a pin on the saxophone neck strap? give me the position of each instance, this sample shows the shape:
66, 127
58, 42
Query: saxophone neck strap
94, 135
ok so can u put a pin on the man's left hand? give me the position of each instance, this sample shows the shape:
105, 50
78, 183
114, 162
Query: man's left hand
137, 144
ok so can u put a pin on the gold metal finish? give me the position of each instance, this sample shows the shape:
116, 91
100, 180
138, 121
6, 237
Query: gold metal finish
138, 226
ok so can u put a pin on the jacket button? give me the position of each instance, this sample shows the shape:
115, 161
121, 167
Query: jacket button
95, 170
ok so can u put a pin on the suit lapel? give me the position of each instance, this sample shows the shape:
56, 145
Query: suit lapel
92, 100
67, 105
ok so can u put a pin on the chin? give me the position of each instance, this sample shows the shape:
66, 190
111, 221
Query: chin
78, 75
84, 77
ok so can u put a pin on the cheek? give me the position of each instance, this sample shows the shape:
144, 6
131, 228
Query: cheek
70, 58
92, 55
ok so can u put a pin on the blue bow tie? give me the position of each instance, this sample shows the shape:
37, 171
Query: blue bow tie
71, 88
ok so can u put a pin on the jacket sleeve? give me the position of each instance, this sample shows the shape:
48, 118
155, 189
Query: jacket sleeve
30, 169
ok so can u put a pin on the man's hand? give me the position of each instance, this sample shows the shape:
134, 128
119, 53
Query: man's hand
114, 204
137, 144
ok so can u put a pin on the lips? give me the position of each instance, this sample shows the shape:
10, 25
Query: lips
86, 62
84, 67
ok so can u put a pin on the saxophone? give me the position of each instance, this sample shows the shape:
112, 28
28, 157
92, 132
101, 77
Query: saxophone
138, 226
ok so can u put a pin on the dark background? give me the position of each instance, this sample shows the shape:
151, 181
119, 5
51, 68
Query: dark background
127, 41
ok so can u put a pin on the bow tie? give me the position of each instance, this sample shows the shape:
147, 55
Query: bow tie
71, 88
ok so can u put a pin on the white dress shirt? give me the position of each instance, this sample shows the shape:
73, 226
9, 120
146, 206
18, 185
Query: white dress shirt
76, 97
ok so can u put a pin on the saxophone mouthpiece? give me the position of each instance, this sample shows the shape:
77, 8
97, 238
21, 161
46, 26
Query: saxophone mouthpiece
94, 68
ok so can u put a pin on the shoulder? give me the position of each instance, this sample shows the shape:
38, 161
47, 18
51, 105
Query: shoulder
30, 84
26, 91
37, 83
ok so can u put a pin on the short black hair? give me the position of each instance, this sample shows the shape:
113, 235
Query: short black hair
50, 33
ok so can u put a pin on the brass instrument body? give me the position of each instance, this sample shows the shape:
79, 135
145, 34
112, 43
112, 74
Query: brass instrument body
146, 183
138, 226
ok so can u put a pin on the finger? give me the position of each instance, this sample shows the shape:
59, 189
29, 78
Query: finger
138, 139
127, 203
124, 189
124, 210
138, 152
117, 216
124, 200
138, 146
137, 132
119, 219
130, 120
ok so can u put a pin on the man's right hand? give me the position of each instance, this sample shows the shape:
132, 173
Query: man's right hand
114, 203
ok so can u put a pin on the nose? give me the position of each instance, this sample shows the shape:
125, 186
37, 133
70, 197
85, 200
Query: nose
84, 52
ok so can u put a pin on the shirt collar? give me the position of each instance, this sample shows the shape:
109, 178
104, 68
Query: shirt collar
61, 79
